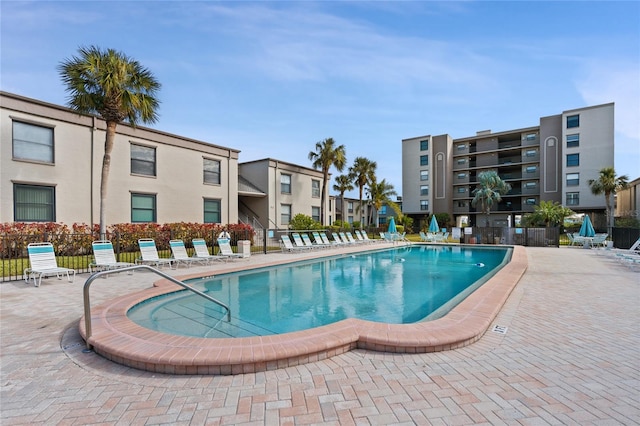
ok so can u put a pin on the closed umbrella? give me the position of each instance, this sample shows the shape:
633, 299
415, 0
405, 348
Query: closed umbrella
433, 226
392, 226
586, 230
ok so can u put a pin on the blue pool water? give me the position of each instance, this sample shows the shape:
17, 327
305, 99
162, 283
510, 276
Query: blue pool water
400, 285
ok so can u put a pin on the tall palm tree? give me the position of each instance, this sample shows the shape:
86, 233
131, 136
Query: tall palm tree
342, 185
380, 194
115, 87
362, 172
489, 191
326, 155
609, 184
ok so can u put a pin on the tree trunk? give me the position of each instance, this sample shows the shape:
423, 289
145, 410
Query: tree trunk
323, 196
106, 166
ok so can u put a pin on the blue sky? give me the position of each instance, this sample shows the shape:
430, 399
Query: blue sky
273, 78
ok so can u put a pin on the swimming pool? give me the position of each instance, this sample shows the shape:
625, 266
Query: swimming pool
397, 286
120, 340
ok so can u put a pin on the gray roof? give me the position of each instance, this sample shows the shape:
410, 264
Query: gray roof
247, 188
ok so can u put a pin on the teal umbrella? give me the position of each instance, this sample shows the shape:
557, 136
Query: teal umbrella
392, 226
433, 226
586, 230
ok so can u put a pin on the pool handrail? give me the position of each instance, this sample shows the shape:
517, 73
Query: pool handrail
92, 277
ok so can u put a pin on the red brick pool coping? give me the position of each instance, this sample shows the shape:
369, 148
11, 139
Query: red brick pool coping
121, 340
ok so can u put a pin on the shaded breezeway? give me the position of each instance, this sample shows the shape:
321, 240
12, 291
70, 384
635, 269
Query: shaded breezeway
570, 355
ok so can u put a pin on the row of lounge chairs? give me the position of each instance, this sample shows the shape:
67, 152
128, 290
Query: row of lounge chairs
629, 257
43, 262
302, 241
599, 240
434, 237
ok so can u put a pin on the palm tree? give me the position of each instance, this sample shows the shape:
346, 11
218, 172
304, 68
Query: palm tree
362, 173
342, 185
326, 155
489, 191
115, 87
380, 194
549, 213
609, 184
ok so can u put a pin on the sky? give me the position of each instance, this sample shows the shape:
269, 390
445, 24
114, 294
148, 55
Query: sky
273, 78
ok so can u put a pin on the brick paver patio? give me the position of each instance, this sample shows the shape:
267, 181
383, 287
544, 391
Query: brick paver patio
570, 355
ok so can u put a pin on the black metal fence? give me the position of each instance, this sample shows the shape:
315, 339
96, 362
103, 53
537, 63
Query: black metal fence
74, 250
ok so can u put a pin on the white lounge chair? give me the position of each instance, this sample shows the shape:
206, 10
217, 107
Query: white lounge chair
326, 240
202, 251
225, 250
319, 241
42, 262
307, 242
149, 254
180, 254
287, 245
104, 258
297, 241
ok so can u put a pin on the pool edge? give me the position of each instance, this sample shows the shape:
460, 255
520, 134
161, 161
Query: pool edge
117, 338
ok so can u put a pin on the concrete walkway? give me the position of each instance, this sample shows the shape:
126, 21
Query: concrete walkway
570, 355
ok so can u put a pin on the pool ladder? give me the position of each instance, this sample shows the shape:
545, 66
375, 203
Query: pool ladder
92, 278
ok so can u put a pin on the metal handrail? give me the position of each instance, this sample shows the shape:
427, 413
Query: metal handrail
87, 302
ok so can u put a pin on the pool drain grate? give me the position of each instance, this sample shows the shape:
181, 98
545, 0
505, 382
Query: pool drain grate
500, 329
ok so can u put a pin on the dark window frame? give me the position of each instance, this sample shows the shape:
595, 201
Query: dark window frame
15, 143
19, 207
208, 212
211, 177
153, 209
138, 164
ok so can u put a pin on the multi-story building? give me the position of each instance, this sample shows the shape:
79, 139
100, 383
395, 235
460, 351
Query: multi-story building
552, 161
628, 200
281, 190
51, 164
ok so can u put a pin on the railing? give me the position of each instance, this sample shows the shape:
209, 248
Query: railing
93, 277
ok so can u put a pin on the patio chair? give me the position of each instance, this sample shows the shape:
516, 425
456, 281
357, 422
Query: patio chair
149, 254
307, 242
353, 240
287, 245
202, 251
179, 253
326, 240
319, 241
42, 263
360, 238
297, 241
345, 239
226, 252
599, 240
104, 258
337, 239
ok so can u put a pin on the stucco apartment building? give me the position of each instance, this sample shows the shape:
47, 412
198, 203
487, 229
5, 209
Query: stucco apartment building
51, 163
552, 161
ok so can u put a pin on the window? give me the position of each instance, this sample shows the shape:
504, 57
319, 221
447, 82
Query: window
573, 141
462, 204
383, 210
424, 174
212, 211
462, 160
530, 185
424, 160
573, 179
424, 145
531, 169
573, 199
424, 204
285, 214
531, 137
350, 220
462, 190
285, 184
315, 213
573, 160
143, 160
31, 142
143, 208
315, 188
424, 189
462, 175
530, 201
461, 147
573, 121
350, 206
34, 203
531, 153
211, 171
